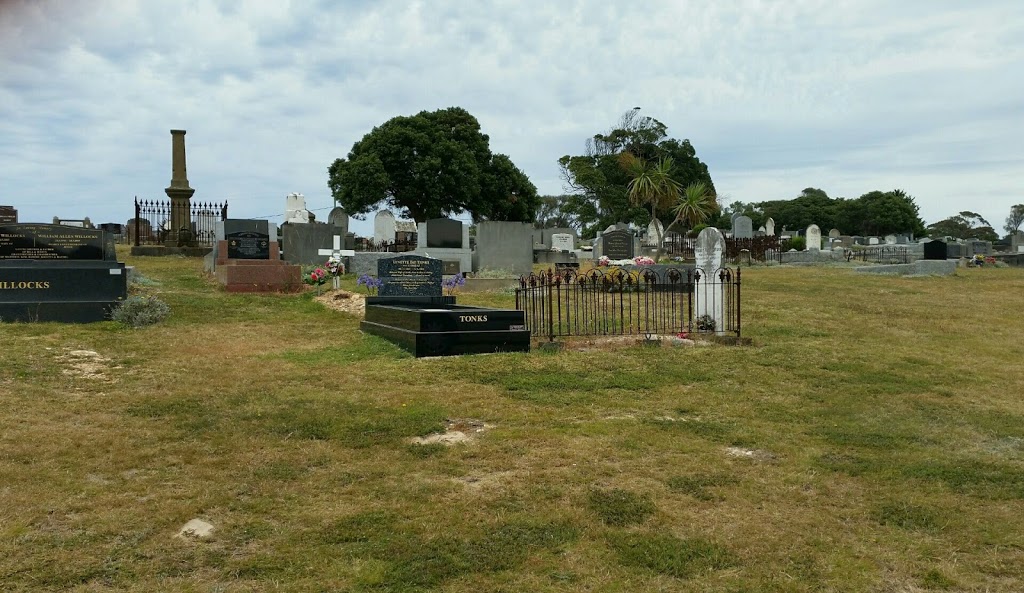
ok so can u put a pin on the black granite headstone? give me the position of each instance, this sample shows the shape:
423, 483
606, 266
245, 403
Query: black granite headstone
444, 233
50, 242
58, 273
617, 245
409, 276
247, 239
935, 250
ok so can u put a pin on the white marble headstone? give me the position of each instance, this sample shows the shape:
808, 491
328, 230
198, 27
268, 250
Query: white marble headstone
655, 230
295, 209
384, 227
769, 227
890, 239
708, 254
813, 238
562, 242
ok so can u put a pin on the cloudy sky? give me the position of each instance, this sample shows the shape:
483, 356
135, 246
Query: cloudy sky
925, 95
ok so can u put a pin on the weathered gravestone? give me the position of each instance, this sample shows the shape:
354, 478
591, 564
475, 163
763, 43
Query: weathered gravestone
444, 233
410, 276
617, 245
384, 227
890, 239
936, 250
295, 211
834, 234
562, 242
813, 238
655, 233
58, 273
302, 243
502, 245
742, 228
8, 215
769, 227
338, 218
710, 291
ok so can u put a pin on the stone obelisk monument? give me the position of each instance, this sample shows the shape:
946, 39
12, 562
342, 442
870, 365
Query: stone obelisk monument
179, 192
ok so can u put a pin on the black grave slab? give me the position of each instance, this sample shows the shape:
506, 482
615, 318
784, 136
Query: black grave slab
247, 239
53, 242
69, 291
444, 232
936, 250
8, 215
409, 276
448, 331
617, 245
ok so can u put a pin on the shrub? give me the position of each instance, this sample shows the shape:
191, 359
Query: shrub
798, 243
137, 311
705, 323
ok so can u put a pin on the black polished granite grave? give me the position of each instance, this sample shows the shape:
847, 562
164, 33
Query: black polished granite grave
58, 273
617, 245
412, 313
247, 239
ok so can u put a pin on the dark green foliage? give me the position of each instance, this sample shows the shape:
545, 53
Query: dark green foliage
933, 579
429, 165
139, 311
598, 181
907, 516
874, 213
620, 508
670, 555
965, 225
697, 485
1015, 219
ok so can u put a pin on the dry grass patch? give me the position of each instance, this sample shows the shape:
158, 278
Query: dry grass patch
887, 410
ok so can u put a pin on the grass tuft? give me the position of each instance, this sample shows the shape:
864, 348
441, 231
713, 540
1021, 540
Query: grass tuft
620, 508
670, 555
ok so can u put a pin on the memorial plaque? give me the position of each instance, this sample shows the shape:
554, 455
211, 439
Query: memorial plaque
444, 233
49, 242
617, 245
936, 250
248, 245
449, 268
247, 239
410, 275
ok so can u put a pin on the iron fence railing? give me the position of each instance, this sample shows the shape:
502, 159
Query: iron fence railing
636, 302
153, 222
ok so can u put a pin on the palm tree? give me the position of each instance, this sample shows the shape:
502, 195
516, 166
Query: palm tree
651, 184
695, 206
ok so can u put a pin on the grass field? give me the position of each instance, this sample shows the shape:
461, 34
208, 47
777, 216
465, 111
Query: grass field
871, 439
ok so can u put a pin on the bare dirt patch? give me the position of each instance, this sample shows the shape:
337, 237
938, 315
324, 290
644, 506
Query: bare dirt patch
343, 301
457, 430
86, 364
756, 454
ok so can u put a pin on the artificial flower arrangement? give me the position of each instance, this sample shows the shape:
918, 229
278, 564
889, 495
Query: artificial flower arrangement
371, 283
453, 283
640, 260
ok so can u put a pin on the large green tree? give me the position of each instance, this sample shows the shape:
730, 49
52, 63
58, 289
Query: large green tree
1015, 219
598, 182
429, 165
874, 213
966, 225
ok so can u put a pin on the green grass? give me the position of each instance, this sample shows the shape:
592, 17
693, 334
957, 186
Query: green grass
884, 417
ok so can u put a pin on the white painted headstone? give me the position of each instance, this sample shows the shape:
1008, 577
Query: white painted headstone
872, 240
769, 227
655, 231
384, 227
562, 242
890, 239
708, 254
813, 238
295, 209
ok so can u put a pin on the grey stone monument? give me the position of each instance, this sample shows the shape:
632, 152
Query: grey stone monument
742, 228
179, 191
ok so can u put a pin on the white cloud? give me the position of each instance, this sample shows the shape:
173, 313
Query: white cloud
776, 96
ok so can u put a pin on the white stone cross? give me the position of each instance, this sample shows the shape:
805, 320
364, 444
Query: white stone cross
336, 253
